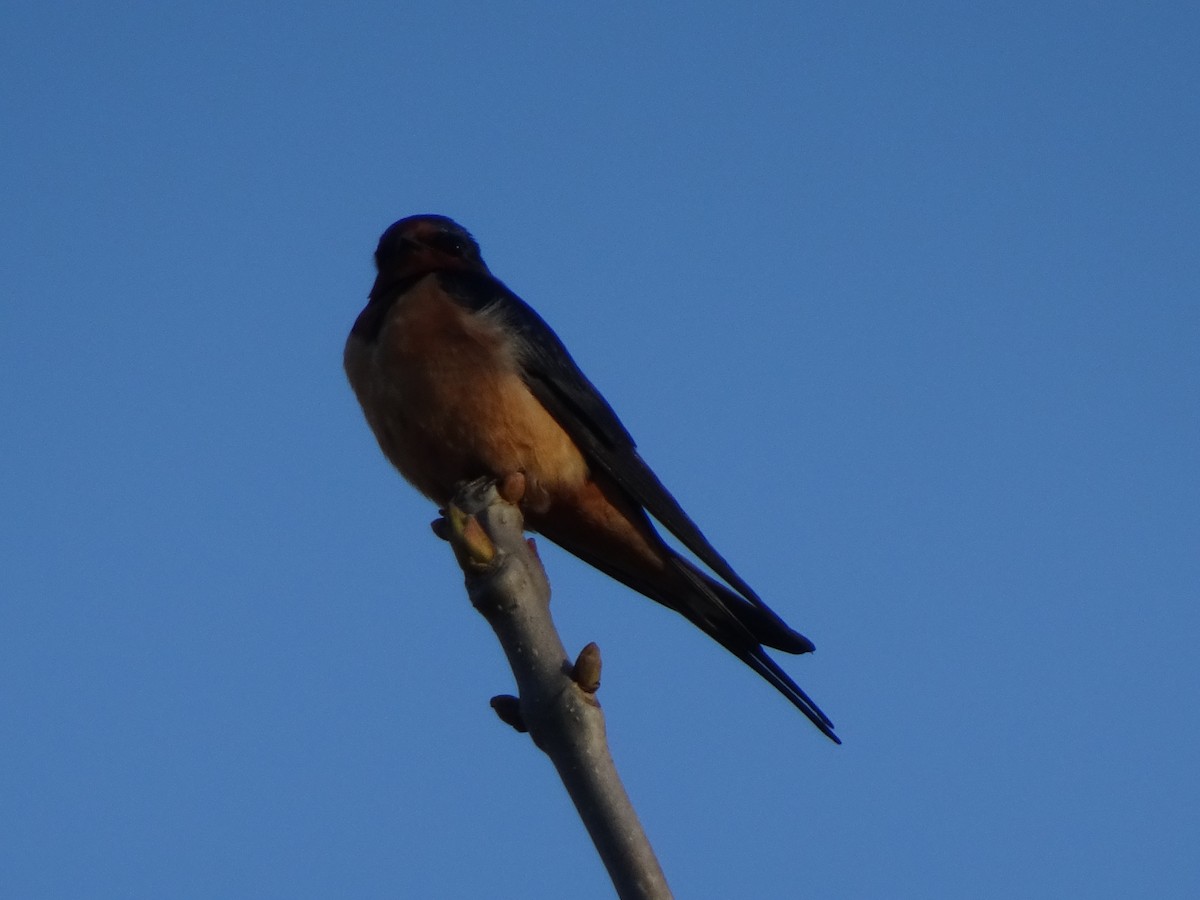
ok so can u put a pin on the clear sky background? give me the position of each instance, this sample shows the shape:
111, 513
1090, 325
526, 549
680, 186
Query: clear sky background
901, 300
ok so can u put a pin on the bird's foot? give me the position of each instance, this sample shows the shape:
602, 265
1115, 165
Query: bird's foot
512, 487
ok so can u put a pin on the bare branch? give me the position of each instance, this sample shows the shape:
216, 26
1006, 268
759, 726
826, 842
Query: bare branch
557, 704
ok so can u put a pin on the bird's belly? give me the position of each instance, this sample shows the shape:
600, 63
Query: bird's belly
464, 427
447, 403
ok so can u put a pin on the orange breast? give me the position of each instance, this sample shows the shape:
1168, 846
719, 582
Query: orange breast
442, 390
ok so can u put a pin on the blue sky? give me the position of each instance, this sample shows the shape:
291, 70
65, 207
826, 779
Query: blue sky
901, 302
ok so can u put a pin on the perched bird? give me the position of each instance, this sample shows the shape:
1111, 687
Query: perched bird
459, 379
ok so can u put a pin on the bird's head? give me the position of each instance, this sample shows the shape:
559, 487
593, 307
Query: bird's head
418, 245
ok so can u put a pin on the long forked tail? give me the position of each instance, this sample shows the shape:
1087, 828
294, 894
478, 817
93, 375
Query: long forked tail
742, 628
761, 663
738, 625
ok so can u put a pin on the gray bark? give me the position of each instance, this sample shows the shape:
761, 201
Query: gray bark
557, 703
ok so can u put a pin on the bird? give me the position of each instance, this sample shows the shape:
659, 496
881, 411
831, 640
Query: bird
460, 379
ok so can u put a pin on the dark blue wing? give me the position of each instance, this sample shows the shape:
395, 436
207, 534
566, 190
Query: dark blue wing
559, 384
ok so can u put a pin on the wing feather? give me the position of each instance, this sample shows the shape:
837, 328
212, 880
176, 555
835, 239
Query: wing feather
562, 388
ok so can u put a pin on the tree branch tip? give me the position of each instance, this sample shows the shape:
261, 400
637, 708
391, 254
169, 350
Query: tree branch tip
507, 584
586, 671
508, 710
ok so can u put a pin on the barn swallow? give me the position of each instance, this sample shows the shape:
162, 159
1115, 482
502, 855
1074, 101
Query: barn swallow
460, 379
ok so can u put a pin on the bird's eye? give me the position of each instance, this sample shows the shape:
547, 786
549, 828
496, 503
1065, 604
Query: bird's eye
448, 243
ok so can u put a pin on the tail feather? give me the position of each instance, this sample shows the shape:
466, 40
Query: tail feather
782, 682
761, 626
759, 620
738, 625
